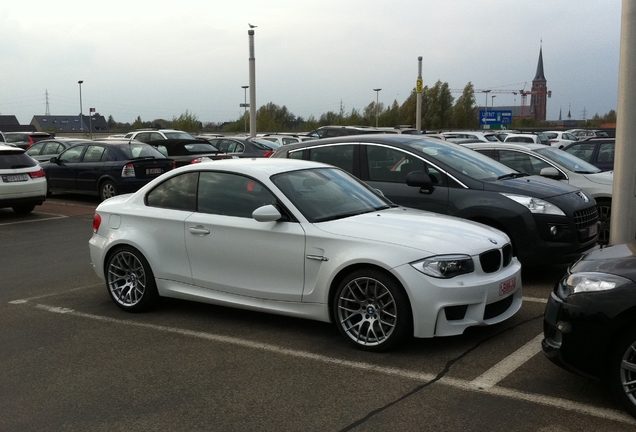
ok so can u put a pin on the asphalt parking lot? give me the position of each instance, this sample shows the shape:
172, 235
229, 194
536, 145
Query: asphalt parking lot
71, 360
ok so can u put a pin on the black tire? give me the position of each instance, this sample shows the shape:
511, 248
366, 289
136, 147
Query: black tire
23, 208
130, 281
622, 371
604, 208
107, 190
372, 311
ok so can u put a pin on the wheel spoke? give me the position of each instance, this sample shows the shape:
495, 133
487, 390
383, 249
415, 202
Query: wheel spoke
628, 366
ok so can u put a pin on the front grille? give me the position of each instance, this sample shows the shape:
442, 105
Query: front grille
585, 218
497, 308
494, 259
507, 255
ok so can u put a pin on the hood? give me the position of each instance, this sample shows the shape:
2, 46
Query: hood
603, 177
431, 233
618, 260
533, 186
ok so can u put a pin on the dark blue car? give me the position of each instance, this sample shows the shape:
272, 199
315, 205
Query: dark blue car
105, 168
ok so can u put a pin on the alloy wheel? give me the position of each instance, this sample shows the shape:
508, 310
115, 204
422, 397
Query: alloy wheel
367, 311
126, 279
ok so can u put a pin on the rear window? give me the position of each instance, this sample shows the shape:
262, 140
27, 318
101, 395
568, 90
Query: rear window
133, 151
13, 138
15, 159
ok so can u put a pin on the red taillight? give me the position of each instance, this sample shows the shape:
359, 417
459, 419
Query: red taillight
268, 154
128, 170
197, 160
554, 140
37, 174
31, 142
174, 164
97, 221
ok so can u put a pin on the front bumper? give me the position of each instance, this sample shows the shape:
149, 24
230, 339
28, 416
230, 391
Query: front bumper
447, 307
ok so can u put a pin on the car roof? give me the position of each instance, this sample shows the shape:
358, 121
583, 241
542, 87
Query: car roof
267, 166
501, 145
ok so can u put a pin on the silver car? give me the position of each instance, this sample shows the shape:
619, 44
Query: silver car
551, 162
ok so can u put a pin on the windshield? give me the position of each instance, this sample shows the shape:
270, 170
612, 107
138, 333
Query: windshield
323, 194
567, 160
464, 160
179, 135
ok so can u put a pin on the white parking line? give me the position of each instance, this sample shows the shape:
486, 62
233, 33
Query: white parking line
508, 365
535, 300
53, 216
26, 300
563, 404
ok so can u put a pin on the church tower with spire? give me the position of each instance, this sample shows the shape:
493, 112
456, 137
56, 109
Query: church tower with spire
539, 92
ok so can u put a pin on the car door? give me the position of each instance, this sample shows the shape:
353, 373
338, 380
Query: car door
229, 251
62, 174
386, 168
91, 168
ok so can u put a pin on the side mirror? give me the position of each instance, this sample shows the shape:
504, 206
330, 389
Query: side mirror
420, 179
54, 160
550, 172
266, 213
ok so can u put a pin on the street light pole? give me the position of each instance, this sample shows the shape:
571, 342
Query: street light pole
492, 101
245, 105
81, 111
377, 96
486, 111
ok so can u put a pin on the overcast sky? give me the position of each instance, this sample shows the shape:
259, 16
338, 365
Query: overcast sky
157, 59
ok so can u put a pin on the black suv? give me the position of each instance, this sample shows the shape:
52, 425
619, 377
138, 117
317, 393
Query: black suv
548, 222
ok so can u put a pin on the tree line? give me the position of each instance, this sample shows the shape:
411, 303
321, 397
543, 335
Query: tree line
440, 111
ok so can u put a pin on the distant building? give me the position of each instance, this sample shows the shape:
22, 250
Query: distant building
10, 123
539, 93
70, 123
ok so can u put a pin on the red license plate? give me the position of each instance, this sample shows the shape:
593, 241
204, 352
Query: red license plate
153, 171
507, 286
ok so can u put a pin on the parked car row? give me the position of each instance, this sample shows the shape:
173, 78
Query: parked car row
547, 221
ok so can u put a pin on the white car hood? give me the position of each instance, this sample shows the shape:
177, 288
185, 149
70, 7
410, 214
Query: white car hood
433, 233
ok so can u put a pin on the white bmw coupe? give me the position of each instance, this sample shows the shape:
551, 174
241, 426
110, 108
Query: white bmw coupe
308, 240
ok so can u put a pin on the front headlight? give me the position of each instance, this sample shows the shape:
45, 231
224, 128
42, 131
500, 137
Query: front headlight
589, 282
535, 205
445, 266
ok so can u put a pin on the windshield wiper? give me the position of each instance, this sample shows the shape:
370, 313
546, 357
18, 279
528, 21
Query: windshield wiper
586, 172
512, 175
343, 215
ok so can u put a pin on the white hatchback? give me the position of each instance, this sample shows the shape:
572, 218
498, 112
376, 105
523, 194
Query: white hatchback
22, 180
303, 239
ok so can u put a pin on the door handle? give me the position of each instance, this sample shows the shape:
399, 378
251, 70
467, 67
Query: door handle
199, 230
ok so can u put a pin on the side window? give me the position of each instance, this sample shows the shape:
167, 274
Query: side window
606, 152
72, 155
154, 136
143, 137
390, 165
582, 151
52, 148
238, 147
296, 154
522, 162
93, 154
336, 155
231, 195
35, 149
177, 193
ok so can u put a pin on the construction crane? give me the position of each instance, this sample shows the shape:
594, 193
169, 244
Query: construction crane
523, 92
